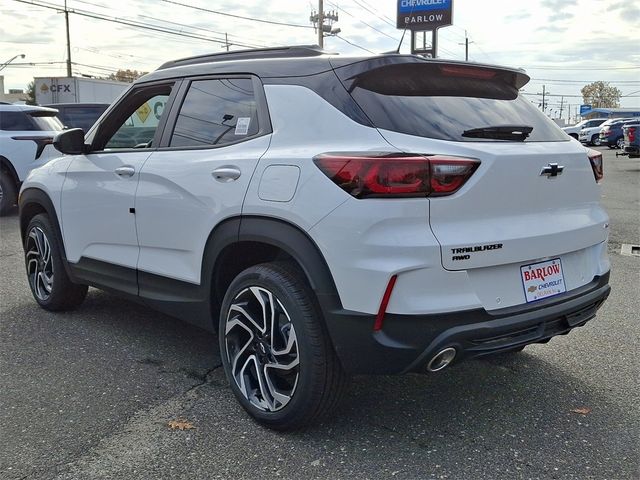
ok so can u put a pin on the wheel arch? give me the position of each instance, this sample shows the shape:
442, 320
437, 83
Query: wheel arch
7, 167
262, 239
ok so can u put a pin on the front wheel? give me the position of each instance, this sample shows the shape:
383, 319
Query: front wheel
49, 282
275, 351
595, 140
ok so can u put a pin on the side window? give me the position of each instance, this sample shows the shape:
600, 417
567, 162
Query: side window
216, 112
134, 122
15, 122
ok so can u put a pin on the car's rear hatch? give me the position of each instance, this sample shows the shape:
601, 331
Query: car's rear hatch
530, 199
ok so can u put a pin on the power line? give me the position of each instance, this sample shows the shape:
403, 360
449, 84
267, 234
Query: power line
271, 22
373, 12
534, 67
361, 21
131, 23
355, 45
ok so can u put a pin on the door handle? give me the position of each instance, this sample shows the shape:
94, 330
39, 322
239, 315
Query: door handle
226, 174
126, 171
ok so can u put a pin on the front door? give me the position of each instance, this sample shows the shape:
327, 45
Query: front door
98, 215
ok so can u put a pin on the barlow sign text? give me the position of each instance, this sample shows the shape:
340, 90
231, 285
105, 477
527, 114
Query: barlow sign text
424, 14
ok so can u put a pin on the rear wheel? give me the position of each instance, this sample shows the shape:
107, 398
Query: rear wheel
276, 354
49, 282
595, 140
619, 142
8, 193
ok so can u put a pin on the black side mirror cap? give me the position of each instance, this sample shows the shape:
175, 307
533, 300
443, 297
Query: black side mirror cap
71, 142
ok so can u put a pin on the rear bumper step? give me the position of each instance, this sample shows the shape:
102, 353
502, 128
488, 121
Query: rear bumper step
407, 343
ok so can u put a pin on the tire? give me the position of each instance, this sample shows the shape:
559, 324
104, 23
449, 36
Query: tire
619, 142
47, 277
306, 380
595, 140
8, 194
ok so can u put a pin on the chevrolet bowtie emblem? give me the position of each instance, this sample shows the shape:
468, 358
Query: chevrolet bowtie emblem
552, 170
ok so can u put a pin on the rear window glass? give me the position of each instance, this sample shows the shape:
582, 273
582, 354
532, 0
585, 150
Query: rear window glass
16, 122
216, 112
424, 101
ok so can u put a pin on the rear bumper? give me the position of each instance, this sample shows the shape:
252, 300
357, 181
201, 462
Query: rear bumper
632, 149
407, 342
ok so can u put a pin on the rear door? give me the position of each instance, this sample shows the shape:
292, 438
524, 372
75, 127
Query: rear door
218, 131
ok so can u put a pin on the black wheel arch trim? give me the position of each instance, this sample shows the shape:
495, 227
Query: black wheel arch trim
5, 164
35, 196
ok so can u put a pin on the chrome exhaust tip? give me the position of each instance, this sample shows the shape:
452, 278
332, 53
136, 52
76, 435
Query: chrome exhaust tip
442, 359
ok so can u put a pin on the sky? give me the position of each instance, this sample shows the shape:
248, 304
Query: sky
562, 44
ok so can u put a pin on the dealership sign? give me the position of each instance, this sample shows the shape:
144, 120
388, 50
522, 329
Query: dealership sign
424, 14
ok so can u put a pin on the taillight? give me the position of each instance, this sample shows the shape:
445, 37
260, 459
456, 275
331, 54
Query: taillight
631, 133
595, 158
367, 175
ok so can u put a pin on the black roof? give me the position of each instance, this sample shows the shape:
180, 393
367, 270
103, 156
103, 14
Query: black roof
294, 61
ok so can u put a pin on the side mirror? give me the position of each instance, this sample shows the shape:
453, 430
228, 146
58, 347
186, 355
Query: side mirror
71, 142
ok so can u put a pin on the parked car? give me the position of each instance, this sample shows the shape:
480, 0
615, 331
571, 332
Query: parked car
79, 115
631, 141
591, 135
364, 233
611, 135
574, 130
25, 131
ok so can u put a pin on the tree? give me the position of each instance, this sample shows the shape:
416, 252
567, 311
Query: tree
30, 92
601, 95
126, 75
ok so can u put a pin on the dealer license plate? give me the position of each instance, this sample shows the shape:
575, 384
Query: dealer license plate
542, 280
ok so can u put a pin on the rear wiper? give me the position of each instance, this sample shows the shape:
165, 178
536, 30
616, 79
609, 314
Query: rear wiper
500, 132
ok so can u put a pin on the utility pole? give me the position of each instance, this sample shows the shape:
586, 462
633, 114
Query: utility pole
561, 105
226, 41
318, 20
66, 19
544, 90
321, 23
466, 46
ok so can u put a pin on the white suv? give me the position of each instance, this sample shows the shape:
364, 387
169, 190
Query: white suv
25, 131
574, 130
326, 215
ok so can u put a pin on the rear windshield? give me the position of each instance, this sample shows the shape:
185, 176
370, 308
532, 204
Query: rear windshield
46, 120
441, 102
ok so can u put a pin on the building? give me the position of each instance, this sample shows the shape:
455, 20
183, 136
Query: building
13, 95
611, 113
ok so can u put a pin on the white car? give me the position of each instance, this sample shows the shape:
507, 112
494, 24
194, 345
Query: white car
591, 135
327, 215
574, 130
25, 131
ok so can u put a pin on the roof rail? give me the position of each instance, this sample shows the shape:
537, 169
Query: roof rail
273, 52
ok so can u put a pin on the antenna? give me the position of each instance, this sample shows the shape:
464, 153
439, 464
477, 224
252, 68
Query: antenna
405, 29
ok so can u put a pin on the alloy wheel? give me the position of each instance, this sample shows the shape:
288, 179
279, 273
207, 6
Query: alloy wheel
39, 263
262, 349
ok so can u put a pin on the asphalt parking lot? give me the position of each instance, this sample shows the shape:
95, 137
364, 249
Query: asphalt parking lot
90, 394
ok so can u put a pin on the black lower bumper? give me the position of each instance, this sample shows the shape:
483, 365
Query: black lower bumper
407, 342
632, 150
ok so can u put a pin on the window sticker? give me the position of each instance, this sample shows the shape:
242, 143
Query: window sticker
242, 125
